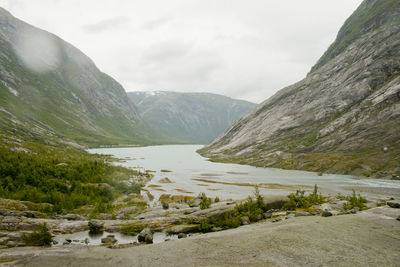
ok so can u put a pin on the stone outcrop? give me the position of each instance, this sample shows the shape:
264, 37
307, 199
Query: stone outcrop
146, 235
96, 226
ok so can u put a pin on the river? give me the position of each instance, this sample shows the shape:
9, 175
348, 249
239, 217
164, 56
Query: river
191, 174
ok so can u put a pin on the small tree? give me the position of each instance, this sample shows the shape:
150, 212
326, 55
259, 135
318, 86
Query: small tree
205, 202
40, 237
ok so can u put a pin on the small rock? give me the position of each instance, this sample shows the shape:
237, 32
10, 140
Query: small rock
354, 210
11, 219
268, 215
68, 240
15, 235
146, 235
96, 226
165, 205
244, 220
195, 203
71, 217
392, 204
109, 239
398, 218
55, 242
302, 213
12, 244
181, 235
183, 228
326, 214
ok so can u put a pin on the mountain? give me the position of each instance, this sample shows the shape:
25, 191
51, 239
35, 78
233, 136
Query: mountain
192, 117
50, 91
344, 117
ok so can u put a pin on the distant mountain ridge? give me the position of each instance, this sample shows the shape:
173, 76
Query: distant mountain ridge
49, 90
344, 117
191, 117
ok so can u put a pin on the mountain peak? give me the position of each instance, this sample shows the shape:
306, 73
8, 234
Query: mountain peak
369, 16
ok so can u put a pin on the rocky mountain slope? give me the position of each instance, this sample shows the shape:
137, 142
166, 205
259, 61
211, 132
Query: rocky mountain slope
344, 117
191, 117
49, 90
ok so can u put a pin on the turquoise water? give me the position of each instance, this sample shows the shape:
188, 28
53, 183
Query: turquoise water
185, 165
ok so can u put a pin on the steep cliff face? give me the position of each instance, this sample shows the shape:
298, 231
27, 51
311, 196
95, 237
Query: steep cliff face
49, 90
190, 117
344, 117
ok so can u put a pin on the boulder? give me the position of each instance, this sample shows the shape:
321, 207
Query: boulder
182, 235
392, 204
268, 215
109, 239
11, 244
195, 203
245, 220
165, 205
71, 217
183, 228
146, 235
11, 219
326, 214
96, 226
301, 213
398, 218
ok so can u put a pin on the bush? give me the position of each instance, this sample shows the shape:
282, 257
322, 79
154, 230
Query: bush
40, 237
66, 178
355, 201
229, 220
205, 202
205, 226
216, 200
300, 200
252, 208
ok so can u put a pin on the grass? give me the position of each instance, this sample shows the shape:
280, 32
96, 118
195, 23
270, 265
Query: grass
132, 229
168, 198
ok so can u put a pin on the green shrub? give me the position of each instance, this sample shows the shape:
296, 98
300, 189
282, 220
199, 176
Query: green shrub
229, 220
65, 178
205, 202
300, 200
216, 200
205, 225
355, 201
40, 237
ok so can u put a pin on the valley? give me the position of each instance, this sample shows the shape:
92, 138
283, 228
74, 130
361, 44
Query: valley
91, 174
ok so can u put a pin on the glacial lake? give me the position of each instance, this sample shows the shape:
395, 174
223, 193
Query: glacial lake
191, 174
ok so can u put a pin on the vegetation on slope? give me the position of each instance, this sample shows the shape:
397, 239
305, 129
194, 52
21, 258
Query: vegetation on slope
71, 100
65, 177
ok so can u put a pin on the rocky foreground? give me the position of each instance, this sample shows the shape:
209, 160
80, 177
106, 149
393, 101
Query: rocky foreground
368, 238
328, 234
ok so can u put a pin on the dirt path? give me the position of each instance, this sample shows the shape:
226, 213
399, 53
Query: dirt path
370, 238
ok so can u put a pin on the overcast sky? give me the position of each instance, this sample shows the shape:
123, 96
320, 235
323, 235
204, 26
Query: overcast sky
242, 49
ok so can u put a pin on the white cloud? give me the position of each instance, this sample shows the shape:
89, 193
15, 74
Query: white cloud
243, 49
